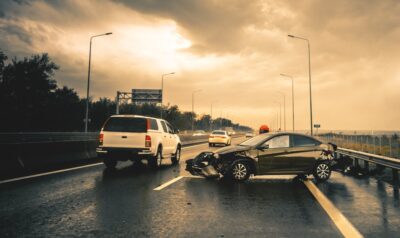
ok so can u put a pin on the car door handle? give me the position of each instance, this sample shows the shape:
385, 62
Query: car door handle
124, 137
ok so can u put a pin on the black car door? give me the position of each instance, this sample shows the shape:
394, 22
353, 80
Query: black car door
272, 155
303, 153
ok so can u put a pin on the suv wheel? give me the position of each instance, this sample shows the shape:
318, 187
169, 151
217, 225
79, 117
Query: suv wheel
156, 161
322, 171
110, 163
240, 171
175, 159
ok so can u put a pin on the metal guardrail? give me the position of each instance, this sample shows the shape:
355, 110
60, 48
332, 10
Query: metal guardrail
376, 159
46, 137
380, 160
386, 144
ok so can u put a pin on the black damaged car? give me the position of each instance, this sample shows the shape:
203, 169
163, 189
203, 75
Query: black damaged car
267, 154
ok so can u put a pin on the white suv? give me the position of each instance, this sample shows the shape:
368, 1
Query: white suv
132, 137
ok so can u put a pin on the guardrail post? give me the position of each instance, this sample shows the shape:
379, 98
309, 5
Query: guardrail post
395, 178
366, 165
356, 164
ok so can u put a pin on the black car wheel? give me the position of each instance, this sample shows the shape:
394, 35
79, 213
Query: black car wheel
156, 161
240, 171
322, 171
210, 144
109, 163
175, 159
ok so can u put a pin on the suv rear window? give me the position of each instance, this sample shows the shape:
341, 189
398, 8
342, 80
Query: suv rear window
125, 124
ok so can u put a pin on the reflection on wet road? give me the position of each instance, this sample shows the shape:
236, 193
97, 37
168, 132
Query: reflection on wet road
96, 202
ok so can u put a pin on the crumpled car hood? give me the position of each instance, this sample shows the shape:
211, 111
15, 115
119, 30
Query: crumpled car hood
232, 149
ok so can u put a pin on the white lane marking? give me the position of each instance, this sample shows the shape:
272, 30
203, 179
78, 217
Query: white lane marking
346, 228
168, 183
48, 173
192, 176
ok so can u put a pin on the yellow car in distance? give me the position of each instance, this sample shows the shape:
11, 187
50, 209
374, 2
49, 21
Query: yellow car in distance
220, 137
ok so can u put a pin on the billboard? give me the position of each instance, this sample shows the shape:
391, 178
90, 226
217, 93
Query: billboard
141, 96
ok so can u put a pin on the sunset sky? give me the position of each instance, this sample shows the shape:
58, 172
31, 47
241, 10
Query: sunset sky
234, 51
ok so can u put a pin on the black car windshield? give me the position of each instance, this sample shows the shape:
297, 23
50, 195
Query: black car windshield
255, 140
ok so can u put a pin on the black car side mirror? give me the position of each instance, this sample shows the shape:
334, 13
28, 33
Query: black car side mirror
263, 147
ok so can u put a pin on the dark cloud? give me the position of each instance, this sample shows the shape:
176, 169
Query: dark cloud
15, 30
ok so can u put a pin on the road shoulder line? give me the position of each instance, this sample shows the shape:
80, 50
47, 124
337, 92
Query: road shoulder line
345, 227
164, 185
48, 173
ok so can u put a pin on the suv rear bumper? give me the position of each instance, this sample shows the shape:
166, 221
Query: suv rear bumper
124, 153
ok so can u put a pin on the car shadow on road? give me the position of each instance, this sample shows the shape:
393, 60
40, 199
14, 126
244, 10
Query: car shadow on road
136, 169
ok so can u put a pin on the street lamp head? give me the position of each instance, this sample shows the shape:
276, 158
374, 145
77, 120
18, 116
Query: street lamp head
168, 74
287, 75
108, 33
291, 36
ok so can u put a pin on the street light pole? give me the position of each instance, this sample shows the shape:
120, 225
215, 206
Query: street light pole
309, 79
88, 81
162, 92
195, 91
291, 77
211, 121
280, 114
284, 110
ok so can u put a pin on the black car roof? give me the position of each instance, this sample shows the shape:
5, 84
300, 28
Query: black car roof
273, 134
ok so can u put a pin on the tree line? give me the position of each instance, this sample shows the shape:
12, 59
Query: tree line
31, 100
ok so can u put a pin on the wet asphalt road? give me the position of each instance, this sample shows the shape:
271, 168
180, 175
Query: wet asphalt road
95, 202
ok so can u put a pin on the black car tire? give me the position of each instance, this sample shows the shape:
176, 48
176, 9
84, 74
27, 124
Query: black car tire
156, 161
210, 145
177, 156
322, 171
110, 163
240, 171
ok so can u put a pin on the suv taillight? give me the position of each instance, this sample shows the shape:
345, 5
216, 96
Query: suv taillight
101, 138
147, 141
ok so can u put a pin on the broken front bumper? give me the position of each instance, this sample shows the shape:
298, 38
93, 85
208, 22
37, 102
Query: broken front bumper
202, 165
